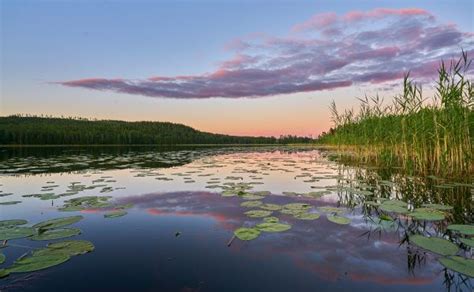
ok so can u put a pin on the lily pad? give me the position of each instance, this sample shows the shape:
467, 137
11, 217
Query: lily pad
251, 204
10, 203
12, 222
462, 228
394, 206
434, 244
427, 214
68, 247
271, 207
58, 222
307, 216
35, 263
52, 234
467, 241
15, 232
338, 219
258, 213
459, 264
115, 214
273, 227
271, 219
246, 233
438, 207
4, 273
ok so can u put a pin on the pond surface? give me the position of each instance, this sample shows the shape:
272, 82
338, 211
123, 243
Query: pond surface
164, 220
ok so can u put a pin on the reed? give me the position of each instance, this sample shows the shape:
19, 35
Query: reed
424, 135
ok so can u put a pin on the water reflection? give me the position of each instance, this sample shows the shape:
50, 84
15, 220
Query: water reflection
188, 203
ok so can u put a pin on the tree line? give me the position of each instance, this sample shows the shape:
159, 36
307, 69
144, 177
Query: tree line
41, 130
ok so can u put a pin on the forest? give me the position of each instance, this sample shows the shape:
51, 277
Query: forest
41, 130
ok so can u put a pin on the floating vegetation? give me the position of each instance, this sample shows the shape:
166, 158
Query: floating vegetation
438, 207
271, 207
2, 258
246, 233
271, 219
394, 206
434, 244
258, 213
427, 214
463, 229
459, 264
251, 204
10, 203
39, 262
15, 232
328, 209
307, 216
68, 247
84, 203
273, 227
12, 222
51, 234
58, 222
338, 219
115, 214
467, 241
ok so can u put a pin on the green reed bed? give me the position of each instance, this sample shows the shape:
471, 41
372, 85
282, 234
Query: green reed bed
426, 135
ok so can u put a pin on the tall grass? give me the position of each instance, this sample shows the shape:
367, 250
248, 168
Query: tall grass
426, 135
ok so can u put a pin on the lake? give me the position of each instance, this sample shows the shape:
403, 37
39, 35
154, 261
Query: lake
163, 219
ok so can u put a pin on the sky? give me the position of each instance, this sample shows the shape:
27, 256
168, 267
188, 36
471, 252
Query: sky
234, 67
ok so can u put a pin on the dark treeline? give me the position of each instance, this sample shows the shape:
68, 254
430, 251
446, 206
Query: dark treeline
34, 130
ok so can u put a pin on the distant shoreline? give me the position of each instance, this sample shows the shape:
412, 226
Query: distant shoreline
152, 145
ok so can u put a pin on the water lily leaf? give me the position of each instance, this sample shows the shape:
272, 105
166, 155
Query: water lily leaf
307, 216
10, 203
467, 241
438, 207
258, 213
434, 244
297, 206
338, 219
58, 222
262, 193
15, 232
68, 247
51, 234
461, 228
271, 219
394, 206
4, 273
427, 214
248, 196
459, 264
35, 263
12, 222
273, 227
251, 204
246, 233
271, 207
115, 214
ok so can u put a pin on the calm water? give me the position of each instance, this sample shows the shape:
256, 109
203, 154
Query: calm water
178, 233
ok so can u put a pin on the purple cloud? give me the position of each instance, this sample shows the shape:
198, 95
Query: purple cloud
327, 51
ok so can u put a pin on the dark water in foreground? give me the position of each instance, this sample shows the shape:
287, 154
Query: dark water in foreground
176, 233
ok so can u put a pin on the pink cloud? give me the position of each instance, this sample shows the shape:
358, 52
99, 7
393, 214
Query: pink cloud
318, 21
344, 51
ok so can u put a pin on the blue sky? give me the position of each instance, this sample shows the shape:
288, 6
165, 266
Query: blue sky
59, 41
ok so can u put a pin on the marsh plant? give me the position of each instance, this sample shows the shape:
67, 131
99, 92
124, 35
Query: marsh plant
424, 135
